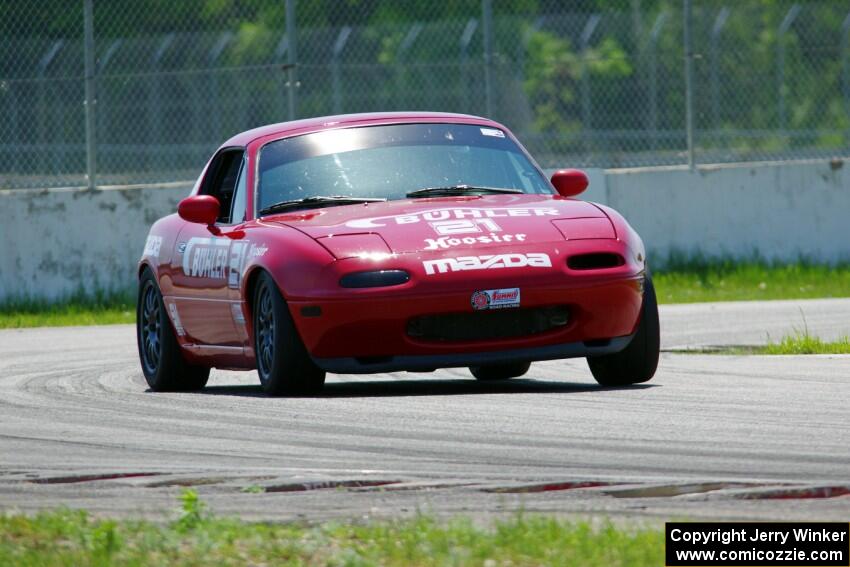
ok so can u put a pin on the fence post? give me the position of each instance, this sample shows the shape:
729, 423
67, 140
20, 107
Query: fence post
689, 83
780, 55
339, 45
487, 19
719, 22
91, 95
465, 39
282, 78
292, 57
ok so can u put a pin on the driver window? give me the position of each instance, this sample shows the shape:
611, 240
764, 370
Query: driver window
221, 182
237, 215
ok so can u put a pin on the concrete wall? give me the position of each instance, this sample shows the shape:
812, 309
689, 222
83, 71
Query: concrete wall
58, 241
780, 211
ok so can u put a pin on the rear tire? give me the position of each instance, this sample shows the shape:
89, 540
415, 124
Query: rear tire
284, 366
493, 372
638, 361
159, 353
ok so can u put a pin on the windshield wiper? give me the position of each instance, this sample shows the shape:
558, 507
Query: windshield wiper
459, 190
316, 202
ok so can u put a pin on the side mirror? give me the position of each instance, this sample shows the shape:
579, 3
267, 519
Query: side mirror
201, 209
570, 182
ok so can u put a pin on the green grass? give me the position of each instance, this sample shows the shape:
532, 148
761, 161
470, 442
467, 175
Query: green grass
78, 309
798, 343
680, 280
195, 538
804, 343
696, 280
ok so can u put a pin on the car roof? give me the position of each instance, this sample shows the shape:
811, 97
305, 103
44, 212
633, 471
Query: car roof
297, 127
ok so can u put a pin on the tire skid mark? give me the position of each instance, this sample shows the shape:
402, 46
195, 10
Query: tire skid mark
111, 446
798, 493
548, 487
416, 486
139, 404
328, 484
90, 477
673, 490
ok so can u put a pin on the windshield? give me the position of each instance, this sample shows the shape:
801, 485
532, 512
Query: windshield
388, 162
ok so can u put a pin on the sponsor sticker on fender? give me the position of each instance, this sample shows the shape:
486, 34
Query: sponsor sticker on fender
152, 246
175, 318
495, 298
488, 262
215, 258
206, 257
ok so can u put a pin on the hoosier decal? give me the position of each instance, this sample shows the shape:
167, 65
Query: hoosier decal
445, 242
490, 262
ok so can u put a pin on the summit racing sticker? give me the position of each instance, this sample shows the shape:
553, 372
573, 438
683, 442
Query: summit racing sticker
495, 299
489, 262
453, 213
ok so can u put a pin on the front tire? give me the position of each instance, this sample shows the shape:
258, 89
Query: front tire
284, 366
159, 353
638, 361
493, 372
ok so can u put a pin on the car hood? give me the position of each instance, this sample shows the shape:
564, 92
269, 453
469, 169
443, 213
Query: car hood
414, 225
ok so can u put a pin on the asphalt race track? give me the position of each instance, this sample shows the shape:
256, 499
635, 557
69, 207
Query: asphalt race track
711, 436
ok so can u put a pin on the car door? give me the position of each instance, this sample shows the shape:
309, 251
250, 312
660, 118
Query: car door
207, 263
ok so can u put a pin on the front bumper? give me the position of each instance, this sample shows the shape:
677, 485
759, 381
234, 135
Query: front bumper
371, 326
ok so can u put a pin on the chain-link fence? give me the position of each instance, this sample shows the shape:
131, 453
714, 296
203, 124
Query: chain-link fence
584, 83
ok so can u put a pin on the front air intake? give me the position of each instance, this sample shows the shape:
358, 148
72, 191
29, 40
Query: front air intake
488, 325
595, 261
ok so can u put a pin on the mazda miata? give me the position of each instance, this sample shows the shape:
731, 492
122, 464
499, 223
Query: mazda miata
389, 242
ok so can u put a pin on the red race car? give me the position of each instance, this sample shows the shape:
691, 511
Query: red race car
386, 242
